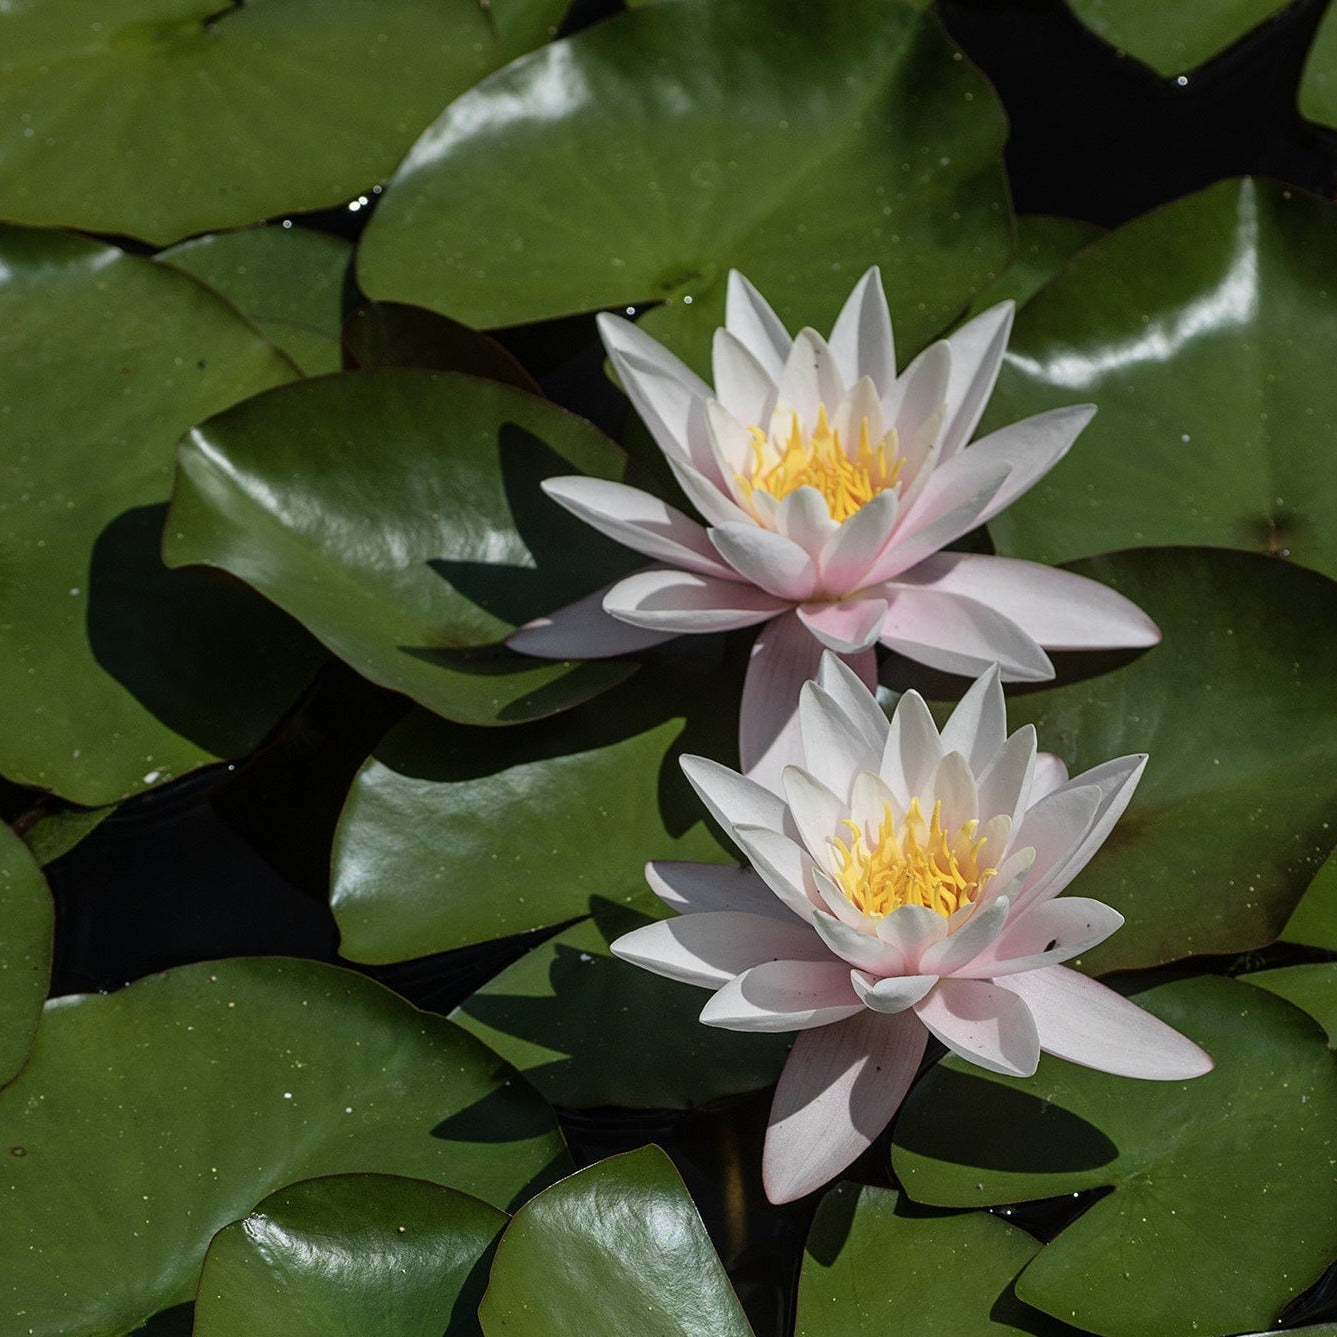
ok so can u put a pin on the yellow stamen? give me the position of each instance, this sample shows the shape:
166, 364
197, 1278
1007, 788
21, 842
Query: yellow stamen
917, 863
846, 481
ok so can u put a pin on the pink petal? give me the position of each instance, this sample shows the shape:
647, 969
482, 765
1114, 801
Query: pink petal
783, 658
1086, 1023
977, 354
948, 955
978, 726
892, 994
784, 996
1050, 772
861, 339
850, 552
583, 630
849, 626
698, 888
748, 317
733, 799
769, 561
1073, 924
984, 1023
912, 751
809, 380
710, 949
681, 601
1030, 448
742, 384
912, 930
838, 1091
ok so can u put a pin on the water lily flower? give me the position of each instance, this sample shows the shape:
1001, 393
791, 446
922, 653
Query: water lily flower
906, 884
829, 485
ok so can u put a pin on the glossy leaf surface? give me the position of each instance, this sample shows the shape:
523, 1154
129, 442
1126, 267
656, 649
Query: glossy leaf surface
397, 515
1312, 988
639, 160
615, 1249
147, 1119
347, 1256
1314, 923
118, 674
1044, 246
25, 950
1196, 1167
1206, 333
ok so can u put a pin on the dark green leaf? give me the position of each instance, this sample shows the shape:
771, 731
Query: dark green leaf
1318, 83
25, 950
1314, 923
1312, 988
56, 833
1044, 246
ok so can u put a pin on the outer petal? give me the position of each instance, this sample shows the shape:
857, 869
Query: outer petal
742, 383
893, 994
583, 630
861, 339
784, 657
699, 888
770, 561
838, 1091
985, 1023
710, 949
1072, 924
784, 996
848, 626
748, 316
1031, 448
661, 599
977, 354
1050, 773
1086, 1023
978, 726
733, 799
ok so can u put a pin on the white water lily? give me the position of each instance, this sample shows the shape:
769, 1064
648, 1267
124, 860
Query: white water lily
829, 485
906, 884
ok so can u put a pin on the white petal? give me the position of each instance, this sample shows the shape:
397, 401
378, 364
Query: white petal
915, 408
733, 451
1006, 785
816, 812
870, 798
742, 384
784, 996
783, 658
1086, 1023
950, 954
681, 601
912, 750
749, 318
804, 518
857, 543
835, 750
894, 993
1030, 448
978, 726
861, 406
785, 866
977, 354
698, 888
770, 561
583, 630
733, 799
984, 1023
862, 950
953, 785
854, 696
810, 380
836, 904
861, 339
1050, 772
714, 502
912, 930
847, 626
1073, 924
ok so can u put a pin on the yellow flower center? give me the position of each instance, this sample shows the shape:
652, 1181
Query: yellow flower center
846, 480
917, 863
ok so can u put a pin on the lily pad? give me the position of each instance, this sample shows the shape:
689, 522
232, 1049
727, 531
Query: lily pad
1312, 988
58, 832
147, 1119
953, 1272
1206, 333
25, 950
347, 1256
798, 143
396, 513
160, 118
1044, 246
288, 281
1237, 708
1318, 82
615, 1249
1196, 1167
1314, 923
117, 673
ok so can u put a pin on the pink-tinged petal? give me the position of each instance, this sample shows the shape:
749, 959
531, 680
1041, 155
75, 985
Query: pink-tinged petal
1086, 1023
984, 1023
710, 949
732, 447
810, 380
769, 561
817, 813
1011, 875
783, 658
948, 955
862, 950
1048, 933
749, 318
642, 522
838, 1091
861, 339
892, 994
978, 726
858, 542
912, 750
784, 865
714, 502
1057, 609
699, 888
953, 785
742, 384
915, 408
836, 904
977, 354
803, 518
960, 635
850, 684
583, 630
682, 601
784, 996
1031, 448
848, 626
733, 799
1006, 785
870, 798
835, 750
1054, 828
912, 930
1050, 773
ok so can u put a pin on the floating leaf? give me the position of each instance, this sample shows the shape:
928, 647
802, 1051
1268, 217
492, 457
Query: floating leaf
397, 514
1044, 246
1195, 1166
25, 950
1312, 988
1206, 333
147, 1119
58, 832
615, 1249
1318, 82
347, 1256
1314, 923
117, 673
798, 143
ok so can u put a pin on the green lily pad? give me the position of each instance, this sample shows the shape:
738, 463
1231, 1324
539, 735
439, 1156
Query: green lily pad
160, 118
798, 143
347, 1256
1312, 988
1044, 246
288, 281
1174, 38
58, 832
25, 950
1237, 708
953, 1272
616, 1249
397, 514
117, 673
1314, 923
147, 1119
1244, 1153
1206, 333
1318, 82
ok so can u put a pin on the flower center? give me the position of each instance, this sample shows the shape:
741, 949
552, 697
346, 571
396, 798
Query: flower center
917, 863
847, 480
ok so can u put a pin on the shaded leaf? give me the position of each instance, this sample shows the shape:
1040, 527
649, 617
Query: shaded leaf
1314, 923
1044, 246
1312, 988
1318, 82
25, 950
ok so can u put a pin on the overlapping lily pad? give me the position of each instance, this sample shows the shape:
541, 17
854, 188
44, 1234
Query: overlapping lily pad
613, 1250
1314, 923
1318, 83
1312, 988
147, 1119
397, 514
25, 950
347, 1256
117, 673
1044, 246
160, 118
1206, 333
1196, 1167
636, 162
1237, 708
